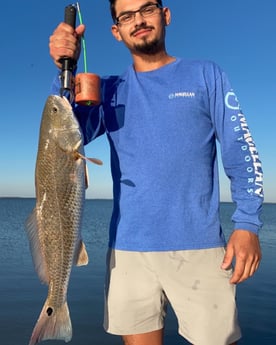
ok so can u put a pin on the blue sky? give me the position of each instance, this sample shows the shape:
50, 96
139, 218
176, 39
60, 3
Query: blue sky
239, 35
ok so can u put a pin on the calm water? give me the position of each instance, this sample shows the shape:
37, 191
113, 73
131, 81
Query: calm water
22, 295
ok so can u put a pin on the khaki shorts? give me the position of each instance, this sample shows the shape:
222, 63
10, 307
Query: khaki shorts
140, 284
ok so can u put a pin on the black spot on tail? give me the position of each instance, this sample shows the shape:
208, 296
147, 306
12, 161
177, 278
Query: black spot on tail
49, 311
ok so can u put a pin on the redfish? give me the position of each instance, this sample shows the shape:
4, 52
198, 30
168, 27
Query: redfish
54, 227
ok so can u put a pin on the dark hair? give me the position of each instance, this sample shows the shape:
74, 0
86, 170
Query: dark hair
113, 12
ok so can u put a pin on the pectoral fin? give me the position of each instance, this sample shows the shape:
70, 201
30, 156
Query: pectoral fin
92, 160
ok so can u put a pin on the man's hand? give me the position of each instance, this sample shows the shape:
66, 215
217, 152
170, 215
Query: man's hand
65, 41
245, 247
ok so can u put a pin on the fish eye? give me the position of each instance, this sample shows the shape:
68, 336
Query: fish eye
55, 110
49, 311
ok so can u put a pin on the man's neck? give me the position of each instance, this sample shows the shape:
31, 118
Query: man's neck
146, 63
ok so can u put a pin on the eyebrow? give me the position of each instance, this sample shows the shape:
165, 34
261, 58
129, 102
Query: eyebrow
146, 4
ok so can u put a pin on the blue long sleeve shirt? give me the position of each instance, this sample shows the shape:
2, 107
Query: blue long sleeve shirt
163, 126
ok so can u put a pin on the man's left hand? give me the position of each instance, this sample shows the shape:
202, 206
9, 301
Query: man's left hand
245, 247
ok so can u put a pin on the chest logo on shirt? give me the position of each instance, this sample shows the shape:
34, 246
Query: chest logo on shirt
182, 94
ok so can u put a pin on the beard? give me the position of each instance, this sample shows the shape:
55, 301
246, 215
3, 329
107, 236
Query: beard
148, 47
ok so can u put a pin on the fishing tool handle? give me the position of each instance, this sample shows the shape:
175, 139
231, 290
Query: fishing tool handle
70, 15
68, 64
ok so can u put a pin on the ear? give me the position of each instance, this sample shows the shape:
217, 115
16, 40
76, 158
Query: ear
116, 33
167, 15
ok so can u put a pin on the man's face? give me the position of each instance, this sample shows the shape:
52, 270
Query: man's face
142, 31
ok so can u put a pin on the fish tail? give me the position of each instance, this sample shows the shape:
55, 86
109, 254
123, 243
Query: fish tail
52, 324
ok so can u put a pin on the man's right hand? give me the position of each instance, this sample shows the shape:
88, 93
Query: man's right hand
65, 42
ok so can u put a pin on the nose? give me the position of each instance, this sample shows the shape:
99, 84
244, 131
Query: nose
139, 19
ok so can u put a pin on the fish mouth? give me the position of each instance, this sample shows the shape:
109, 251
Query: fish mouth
62, 99
67, 103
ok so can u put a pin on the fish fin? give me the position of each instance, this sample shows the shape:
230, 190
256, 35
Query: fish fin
94, 160
86, 176
35, 248
90, 159
52, 324
81, 257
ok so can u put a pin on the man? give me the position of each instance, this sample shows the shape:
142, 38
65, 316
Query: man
162, 118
